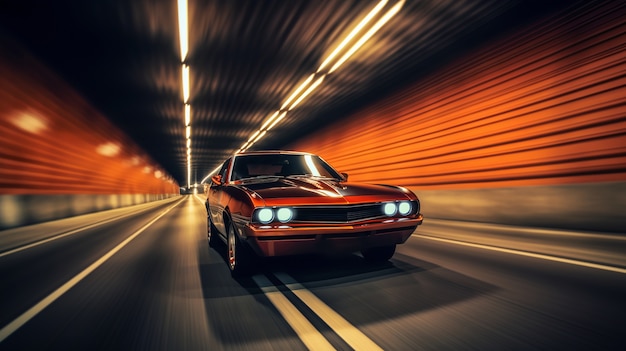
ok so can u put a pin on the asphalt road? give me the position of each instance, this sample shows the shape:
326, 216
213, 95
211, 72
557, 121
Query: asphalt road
144, 278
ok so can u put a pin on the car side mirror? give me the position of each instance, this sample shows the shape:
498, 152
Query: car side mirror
345, 176
217, 179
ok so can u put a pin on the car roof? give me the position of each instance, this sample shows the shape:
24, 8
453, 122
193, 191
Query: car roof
273, 152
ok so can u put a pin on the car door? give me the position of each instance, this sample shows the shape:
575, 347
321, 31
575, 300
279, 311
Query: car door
216, 199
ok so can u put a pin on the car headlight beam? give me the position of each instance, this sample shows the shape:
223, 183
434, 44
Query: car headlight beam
265, 215
390, 209
404, 208
284, 214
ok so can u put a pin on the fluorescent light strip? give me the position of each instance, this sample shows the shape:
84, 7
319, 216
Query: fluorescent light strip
183, 32
277, 120
185, 83
269, 120
368, 35
187, 114
307, 92
254, 135
350, 36
183, 29
258, 137
295, 93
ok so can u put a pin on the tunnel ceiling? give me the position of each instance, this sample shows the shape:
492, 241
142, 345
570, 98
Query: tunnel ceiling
245, 57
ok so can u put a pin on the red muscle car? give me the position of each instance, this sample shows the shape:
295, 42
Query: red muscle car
278, 203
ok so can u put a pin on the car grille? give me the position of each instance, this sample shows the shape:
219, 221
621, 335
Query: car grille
338, 214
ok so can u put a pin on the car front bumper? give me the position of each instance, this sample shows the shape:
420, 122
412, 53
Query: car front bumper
285, 240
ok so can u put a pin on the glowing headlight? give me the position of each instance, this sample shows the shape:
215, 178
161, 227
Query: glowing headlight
265, 215
284, 214
404, 208
390, 209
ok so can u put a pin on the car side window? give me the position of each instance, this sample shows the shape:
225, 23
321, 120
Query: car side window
224, 170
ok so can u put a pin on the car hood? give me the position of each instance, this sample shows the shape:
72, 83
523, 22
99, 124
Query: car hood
308, 191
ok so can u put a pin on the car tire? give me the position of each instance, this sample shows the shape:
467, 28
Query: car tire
379, 253
238, 256
211, 232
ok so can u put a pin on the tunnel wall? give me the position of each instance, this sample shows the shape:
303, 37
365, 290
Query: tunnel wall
58, 155
529, 130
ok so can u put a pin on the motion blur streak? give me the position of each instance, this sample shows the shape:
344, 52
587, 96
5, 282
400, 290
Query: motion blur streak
7, 330
541, 107
546, 109
52, 141
59, 156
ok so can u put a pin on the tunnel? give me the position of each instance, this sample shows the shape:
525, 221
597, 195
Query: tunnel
505, 119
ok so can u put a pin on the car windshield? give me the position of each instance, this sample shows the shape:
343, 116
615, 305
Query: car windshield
281, 165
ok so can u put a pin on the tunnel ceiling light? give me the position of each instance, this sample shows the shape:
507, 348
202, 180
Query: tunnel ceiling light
354, 32
185, 83
109, 149
307, 92
254, 136
307, 87
183, 32
282, 115
392, 12
258, 138
295, 93
30, 122
183, 29
269, 120
187, 114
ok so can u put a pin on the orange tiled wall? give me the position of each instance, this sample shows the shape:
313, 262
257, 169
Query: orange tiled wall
53, 142
543, 106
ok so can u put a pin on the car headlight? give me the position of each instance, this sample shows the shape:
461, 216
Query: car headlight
390, 209
265, 215
404, 208
284, 214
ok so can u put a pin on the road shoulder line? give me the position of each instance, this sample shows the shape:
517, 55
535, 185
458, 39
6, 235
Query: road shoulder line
10, 328
528, 254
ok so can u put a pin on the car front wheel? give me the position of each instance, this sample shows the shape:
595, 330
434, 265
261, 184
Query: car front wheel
238, 255
378, 254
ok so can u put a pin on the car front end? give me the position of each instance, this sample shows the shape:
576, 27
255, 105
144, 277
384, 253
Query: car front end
290, 230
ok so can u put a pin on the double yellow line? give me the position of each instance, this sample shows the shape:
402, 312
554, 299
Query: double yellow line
310, 336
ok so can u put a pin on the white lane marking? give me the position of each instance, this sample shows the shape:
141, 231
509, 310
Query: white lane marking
78, 230
349, 333
529, 254
199, 199
310, 336
41, 305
